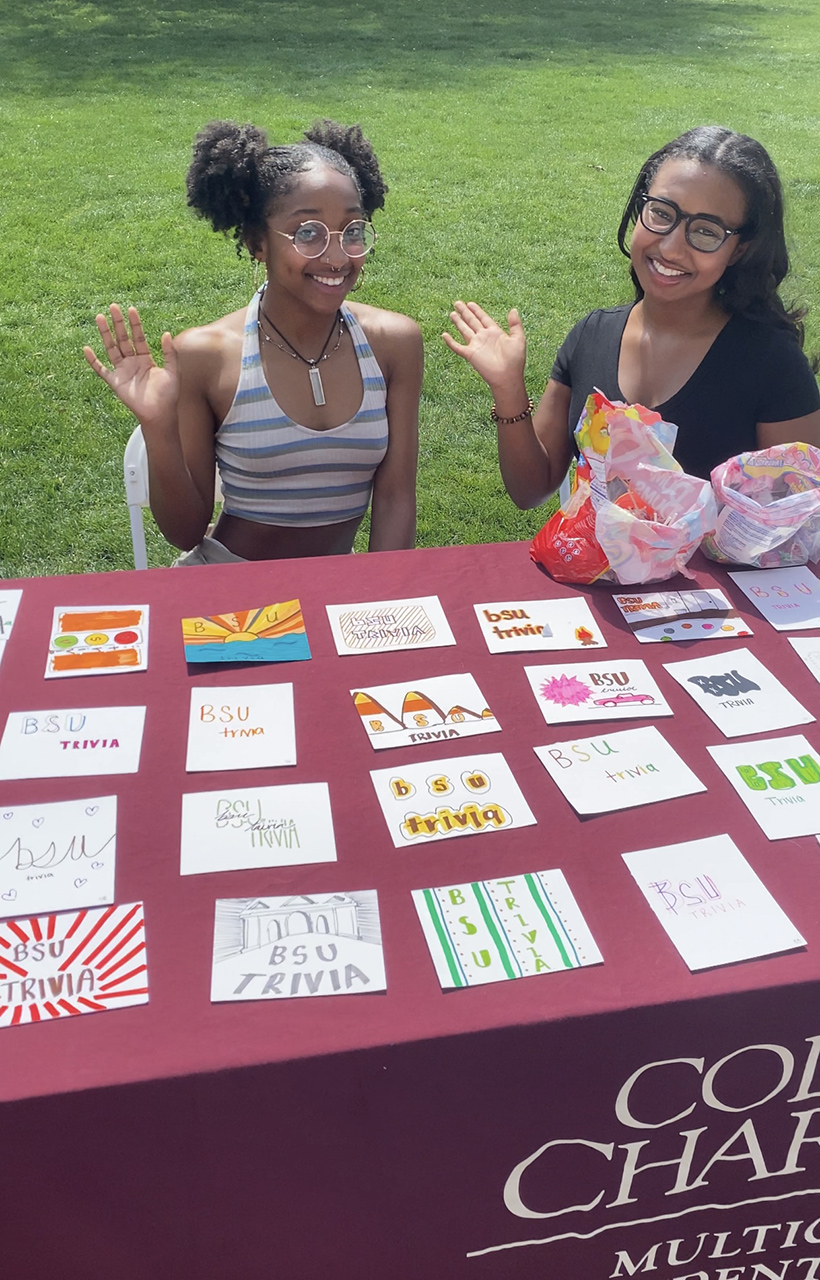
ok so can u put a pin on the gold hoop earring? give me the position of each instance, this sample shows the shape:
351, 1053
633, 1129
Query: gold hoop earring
359, 280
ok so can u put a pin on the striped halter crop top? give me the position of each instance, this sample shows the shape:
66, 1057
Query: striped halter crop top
275, 471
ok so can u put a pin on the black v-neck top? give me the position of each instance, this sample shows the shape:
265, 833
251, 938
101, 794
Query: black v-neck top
752, 373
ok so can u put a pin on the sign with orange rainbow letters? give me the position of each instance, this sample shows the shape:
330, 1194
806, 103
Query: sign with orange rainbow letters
272, 633
96, 641
436, 709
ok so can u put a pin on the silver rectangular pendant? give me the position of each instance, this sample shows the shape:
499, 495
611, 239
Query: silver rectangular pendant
316, 385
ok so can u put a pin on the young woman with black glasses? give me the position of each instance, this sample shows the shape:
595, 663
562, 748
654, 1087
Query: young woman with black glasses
307, 403
707, 342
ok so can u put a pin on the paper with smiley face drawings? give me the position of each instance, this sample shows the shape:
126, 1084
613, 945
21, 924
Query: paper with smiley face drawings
738, 693
661, 616
56, 857
614, 690
100, 641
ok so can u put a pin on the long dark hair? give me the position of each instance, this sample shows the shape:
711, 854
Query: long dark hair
749, 286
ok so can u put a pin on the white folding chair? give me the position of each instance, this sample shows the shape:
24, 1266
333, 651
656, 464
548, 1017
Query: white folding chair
135, 468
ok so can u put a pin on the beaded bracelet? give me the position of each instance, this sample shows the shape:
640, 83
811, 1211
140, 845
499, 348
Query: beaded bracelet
519, 417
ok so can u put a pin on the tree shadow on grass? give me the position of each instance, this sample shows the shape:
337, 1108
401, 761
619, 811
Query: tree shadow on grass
68, 45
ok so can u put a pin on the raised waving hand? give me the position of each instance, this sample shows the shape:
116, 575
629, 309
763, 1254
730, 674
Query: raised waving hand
148, 390
496, 355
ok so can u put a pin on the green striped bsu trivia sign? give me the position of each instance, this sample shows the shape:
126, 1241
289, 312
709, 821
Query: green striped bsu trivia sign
494, 930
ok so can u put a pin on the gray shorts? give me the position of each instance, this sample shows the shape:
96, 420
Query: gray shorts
209, 551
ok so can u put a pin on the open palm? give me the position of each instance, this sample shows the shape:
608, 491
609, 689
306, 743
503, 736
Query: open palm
148, 390
497, 356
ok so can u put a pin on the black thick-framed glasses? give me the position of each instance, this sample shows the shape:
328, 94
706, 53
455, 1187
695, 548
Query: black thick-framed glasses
312, 238
702, 231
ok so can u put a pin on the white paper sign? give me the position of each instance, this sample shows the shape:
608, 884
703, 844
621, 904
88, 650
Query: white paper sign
98, 641
778, 780
73, 963
444, 799
657, 616
615, 690
808, 649
54, 857
738, 693
565, 623
72, 744
318, 944
256, 827
435, 709
381, 626
494, 930
618, 770
788, 598
243, 727
9, 604
710, 902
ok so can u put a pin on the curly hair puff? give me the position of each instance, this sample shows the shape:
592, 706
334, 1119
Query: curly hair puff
235, 178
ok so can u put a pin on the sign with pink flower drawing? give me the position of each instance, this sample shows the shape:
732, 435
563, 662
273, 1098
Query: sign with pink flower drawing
589, 691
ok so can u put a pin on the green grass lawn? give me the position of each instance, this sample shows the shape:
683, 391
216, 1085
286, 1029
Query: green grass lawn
509, 134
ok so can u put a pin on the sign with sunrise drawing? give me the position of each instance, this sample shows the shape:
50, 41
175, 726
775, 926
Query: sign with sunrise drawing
272, 633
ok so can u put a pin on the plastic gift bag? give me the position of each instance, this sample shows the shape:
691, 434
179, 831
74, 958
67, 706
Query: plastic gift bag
768, 507
633, 515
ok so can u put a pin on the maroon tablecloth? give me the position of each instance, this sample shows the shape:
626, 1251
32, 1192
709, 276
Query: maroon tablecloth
349, 1154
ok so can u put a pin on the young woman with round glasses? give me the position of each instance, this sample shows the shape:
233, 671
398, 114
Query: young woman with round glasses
307, 403
707, 342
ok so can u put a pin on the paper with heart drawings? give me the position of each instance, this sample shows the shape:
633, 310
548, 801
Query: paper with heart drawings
446, 799
778, 780
618, 770
58, 966
661, 616
243, 727
104, 640
9, 604
614, 690
307, 944
711, 903
738, 693
434, 709
494, 930
256, 827
381, 626
54, 857
788, 598
566, 623
71, 744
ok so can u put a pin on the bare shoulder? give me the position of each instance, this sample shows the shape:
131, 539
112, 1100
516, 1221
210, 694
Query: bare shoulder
206, 341
388, 329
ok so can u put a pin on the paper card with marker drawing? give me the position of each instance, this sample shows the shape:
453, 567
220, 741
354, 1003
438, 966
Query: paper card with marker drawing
381, 626
316, 944
270, 633
778, 780
241, 727
445, 799
98, 641
55, 857
614, 690
618, 770
566, 623
58, 966
494, 930
435, 709
738, 693
72, 744
657, 616
807, 648
9, 604
788, 598
256, 827
711, 903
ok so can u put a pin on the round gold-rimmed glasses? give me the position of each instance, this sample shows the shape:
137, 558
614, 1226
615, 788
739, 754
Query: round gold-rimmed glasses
311, 239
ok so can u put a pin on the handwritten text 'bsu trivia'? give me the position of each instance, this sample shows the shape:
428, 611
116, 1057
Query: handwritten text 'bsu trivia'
443, 819
582, 756
208, 714
770, 775
69, 723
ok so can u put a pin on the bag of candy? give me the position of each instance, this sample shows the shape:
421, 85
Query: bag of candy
768, 507
633, 515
